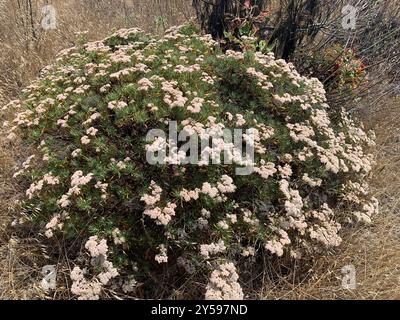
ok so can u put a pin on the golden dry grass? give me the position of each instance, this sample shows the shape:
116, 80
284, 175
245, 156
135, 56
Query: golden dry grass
15, 255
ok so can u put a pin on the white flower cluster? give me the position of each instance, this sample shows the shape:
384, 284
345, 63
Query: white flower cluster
224, 186
162, 256
118, 237
48, 179
163, 215
206, 250
56, 223
25, 166
91, 289
78, 179
173, 96
223, 284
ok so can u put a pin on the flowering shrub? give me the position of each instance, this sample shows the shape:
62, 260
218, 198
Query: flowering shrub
340, 68
130, 225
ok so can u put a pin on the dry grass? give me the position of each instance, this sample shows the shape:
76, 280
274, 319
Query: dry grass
17, 257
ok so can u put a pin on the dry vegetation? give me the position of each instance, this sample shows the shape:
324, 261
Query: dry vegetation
25, 49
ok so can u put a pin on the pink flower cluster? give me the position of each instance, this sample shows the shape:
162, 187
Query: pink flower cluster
223, 284
91, 289
78, 179
48, 179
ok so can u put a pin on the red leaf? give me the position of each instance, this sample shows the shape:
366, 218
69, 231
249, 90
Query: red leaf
247, 4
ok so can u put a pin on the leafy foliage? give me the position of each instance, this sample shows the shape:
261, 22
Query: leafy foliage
88, 116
